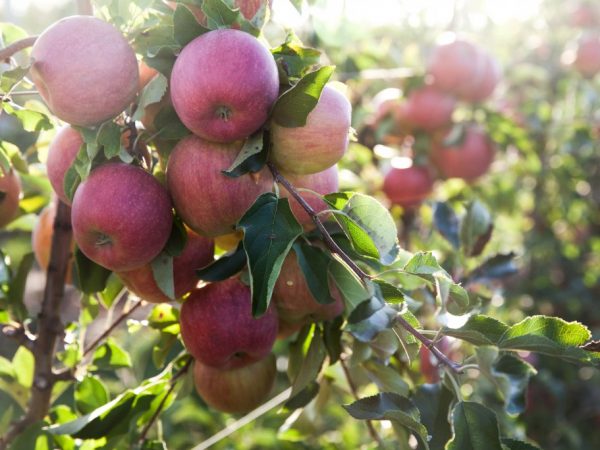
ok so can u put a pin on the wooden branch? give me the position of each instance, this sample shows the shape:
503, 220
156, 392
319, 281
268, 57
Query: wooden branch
16, 47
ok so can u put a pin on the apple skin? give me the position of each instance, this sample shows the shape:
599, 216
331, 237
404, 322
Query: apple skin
292, 297
224, 84
428, 108
325, 182
468, 161
236, 391
218, 329
61, 153
320, 143
587, 57
121, 217
487, 77
584, 15
209, 202
408, 187
85, 70
198, 252
10, 187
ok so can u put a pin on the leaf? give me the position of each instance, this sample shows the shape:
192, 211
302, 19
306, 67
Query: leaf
10, 78
109, 139
332, 336
111, 356
512, 377
433, 401
389, 292
185, 26
165, 318
270, 229
252, 156
23, 363
88, 276
424, 264
224, 267
476, 228
30, 119
390, 406
314, 264
475, 427
111, 292
371, 317
451, 295
512, 444
446, 222
153, 92
219, 14
304, 397
295, 59
90, 394
17, 287
478, 330
349, 285
456, 136
498, 266
386, 377
368, 225
293, 106
162, 272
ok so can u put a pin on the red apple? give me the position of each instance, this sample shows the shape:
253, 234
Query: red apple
322, 183
320, 143
587, 57
484, 83
198, 252
61, 154
223, 85
235, 391
468, 160
430, 364
293, 299
121, 216
10, 192
406, 184
585, 15
428, 108
209, 202
85, 70
218, 329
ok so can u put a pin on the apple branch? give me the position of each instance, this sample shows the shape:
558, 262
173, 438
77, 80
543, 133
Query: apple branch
16, 47
332, 245
50, 327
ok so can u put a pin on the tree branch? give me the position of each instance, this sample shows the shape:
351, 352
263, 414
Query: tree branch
50, 327
16, 47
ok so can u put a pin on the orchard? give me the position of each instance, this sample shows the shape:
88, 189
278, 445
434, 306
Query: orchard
252, 224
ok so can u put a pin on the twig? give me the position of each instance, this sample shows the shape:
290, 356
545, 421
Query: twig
18, 332
372, 430
49, 325
110, 329
161, 405
317, 221
16, 47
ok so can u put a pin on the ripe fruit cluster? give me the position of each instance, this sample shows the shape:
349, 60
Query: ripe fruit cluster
223, 87
584, 55
457, 70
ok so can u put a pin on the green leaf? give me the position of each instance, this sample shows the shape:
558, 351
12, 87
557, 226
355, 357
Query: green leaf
111, 292
17, 287
478, 330
332, 336
424, 264
224, 267
446, 222
433, 401
350, 286
293, 106
88, 276
475, 427
152, 93
476, 228
512, 444
10, 78
371, 317
90, 394
270, 229
252, 156
389, 292
165, 318
368, 225
314, 264
31, 120
386, 378
185, 26
109, 139
453, 296
162, 271
219, 14
177, 239
23, 364
393, 407
498, 266
111, 356
295, 59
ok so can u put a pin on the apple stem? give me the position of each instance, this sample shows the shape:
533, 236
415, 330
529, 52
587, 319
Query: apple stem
16, 47
224, 113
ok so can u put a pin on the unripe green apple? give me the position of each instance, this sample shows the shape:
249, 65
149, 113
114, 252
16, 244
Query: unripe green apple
320, 143
61, 154
10, 192
85, 70
198, 252
238, 390
224, 84
209, 202
218, 329
121, 216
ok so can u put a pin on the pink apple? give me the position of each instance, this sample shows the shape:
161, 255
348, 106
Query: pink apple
85, 70
209, 202
223, 85
61, 154
428, 108
218, 329
121, 216
406, 184
587, 57
320, 143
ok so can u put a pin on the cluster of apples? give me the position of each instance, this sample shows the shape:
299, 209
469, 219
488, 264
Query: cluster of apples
10, 192
584, 56
458, 70
223, 87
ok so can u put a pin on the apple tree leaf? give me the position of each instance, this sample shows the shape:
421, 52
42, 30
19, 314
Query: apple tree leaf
252, 156
446, 222
152, 93
513, 444
109, 139
269, 229
31, 119
90, 393
498, 266
434, 401
476, 228
294, 105
162, 272
219, 14
185, 26
88, 276
111, 355
314, 264
224, 267
10, 78
294, 59
16, 289
474, 427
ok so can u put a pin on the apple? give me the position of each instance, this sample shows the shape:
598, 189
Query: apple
224, 84
238, 390
121, 216
147, 73
41, 240
468, 160
325, 182
248, 8
10, 192
218, 329
485, 82
293, 299
430, 364
61, 154
407, 184
320, 143
587, 56
198, 252
428, 108
584, 15
209, 202
85, 70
